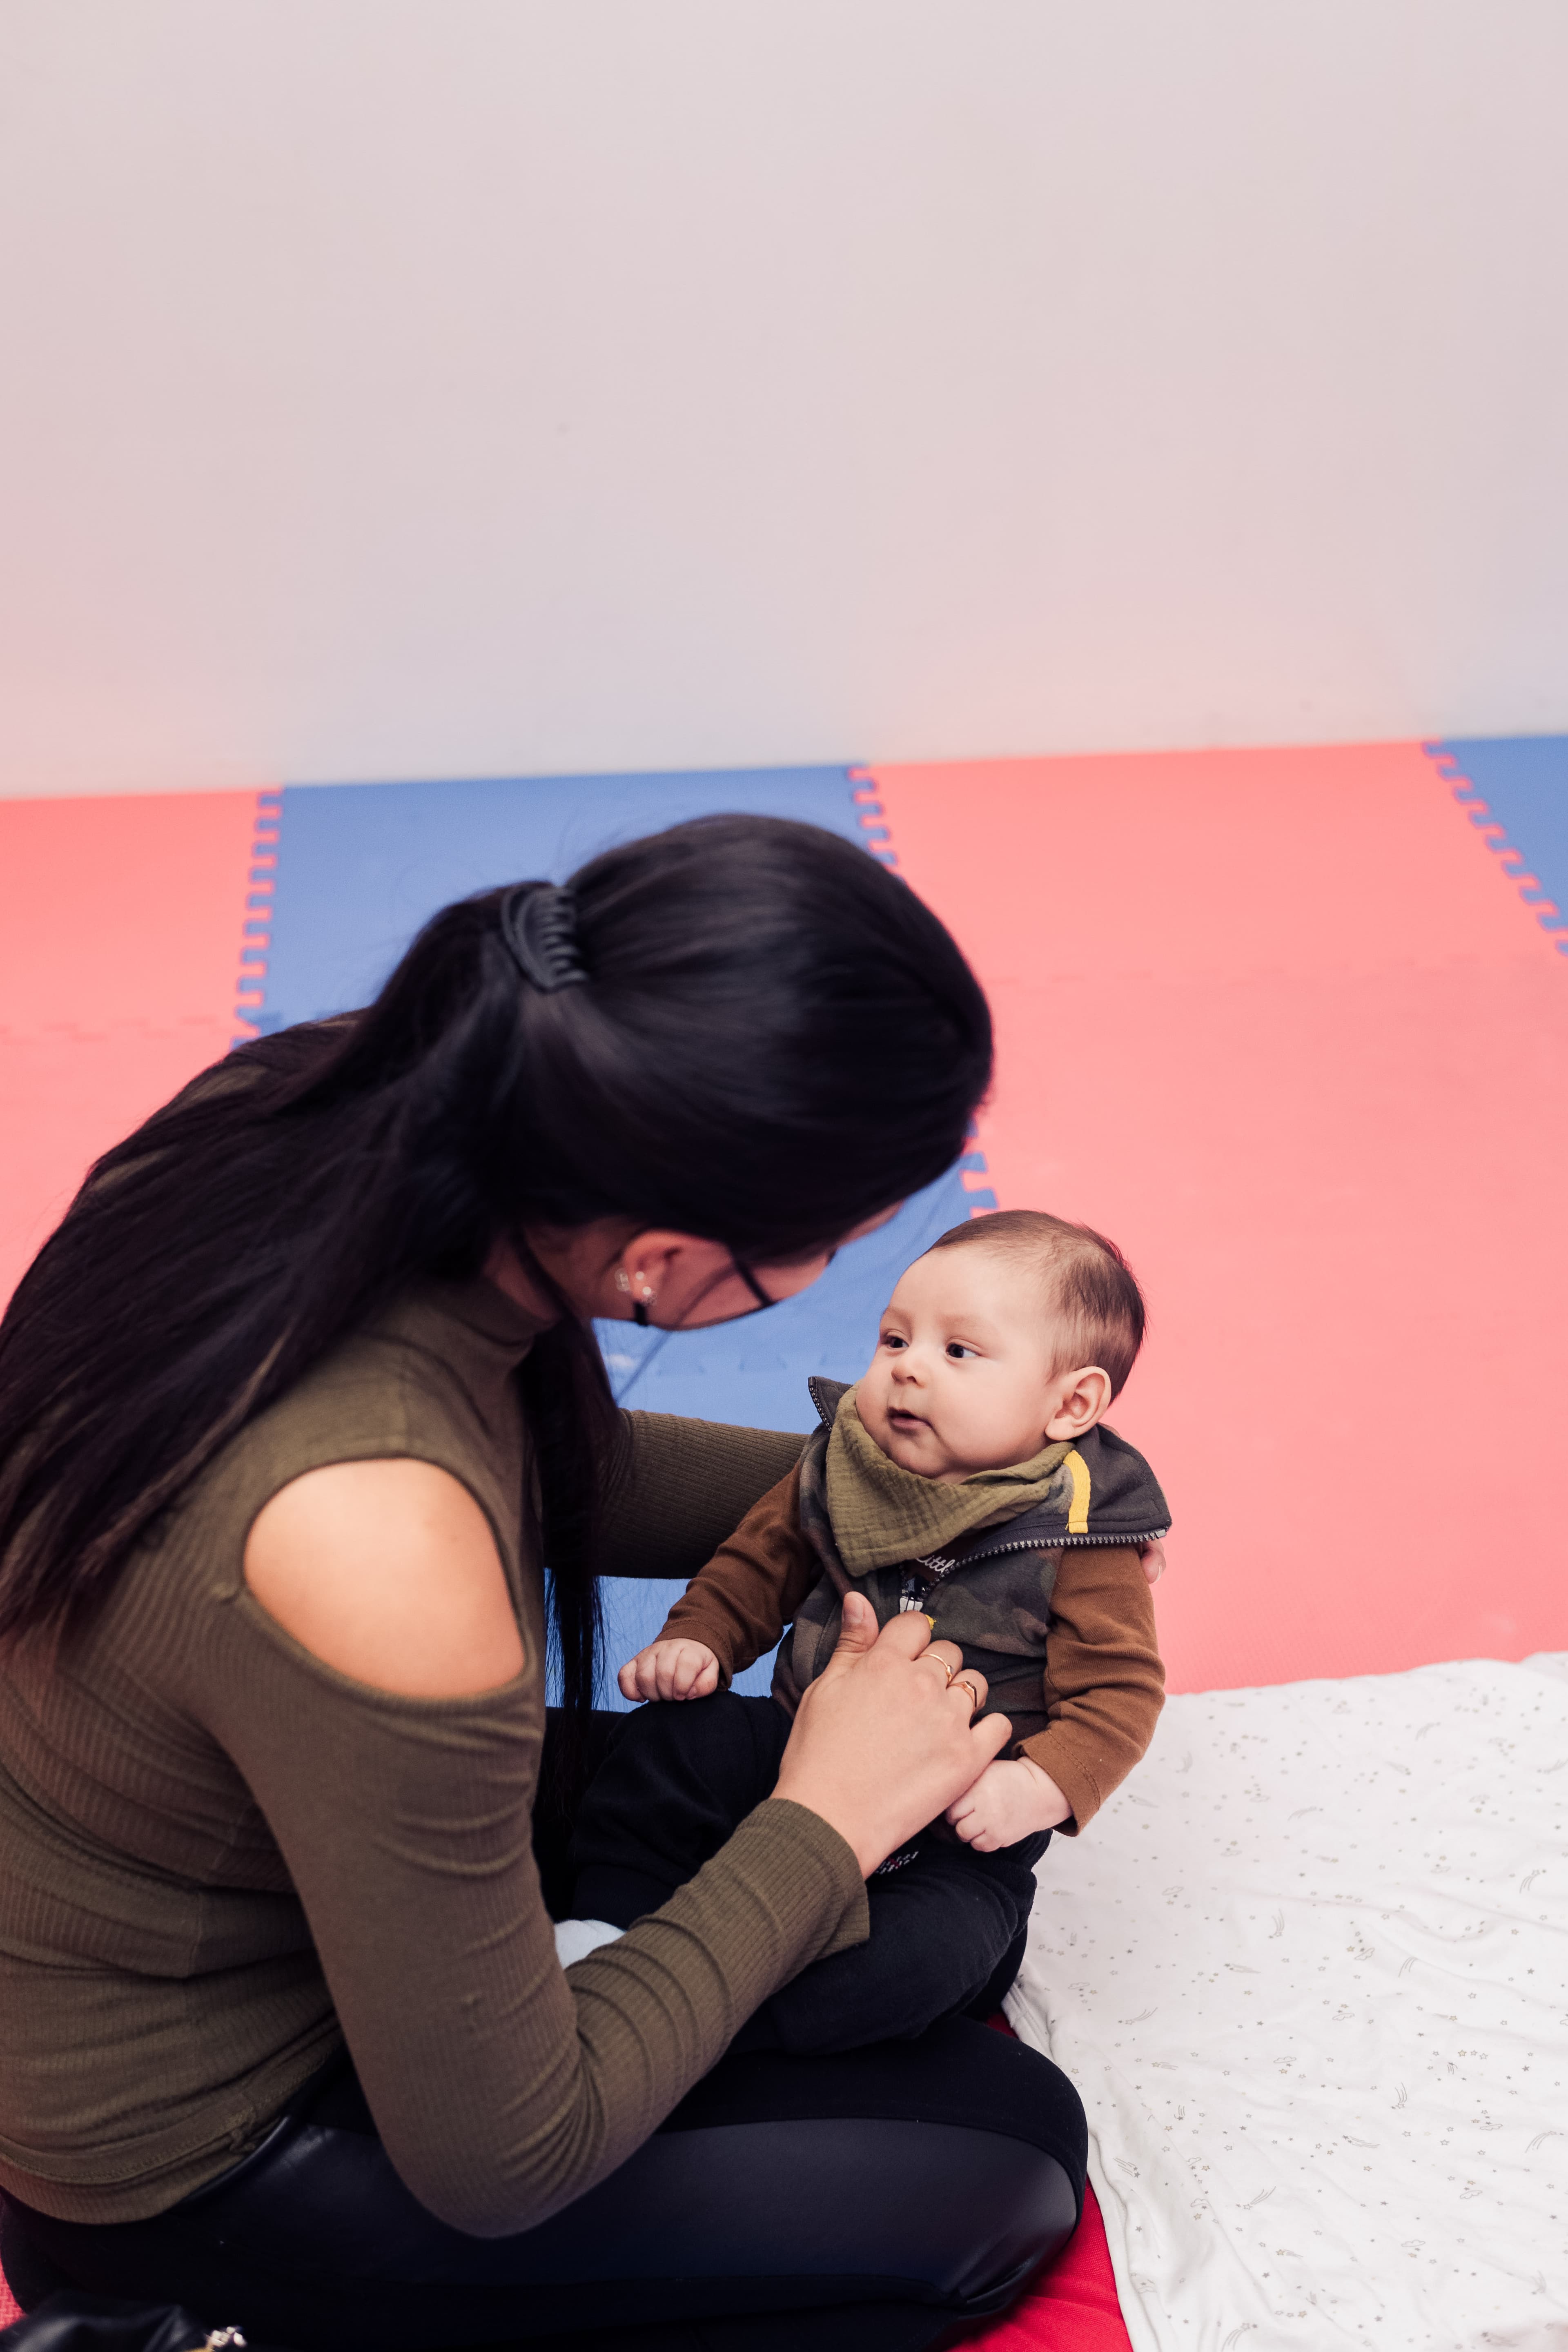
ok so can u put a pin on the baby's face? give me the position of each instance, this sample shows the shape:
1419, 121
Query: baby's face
961, 1378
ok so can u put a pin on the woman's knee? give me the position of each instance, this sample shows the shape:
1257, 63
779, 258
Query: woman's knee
958, 2072
952, 2214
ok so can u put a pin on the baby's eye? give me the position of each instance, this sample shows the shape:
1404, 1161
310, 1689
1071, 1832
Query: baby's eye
892, 1340
956, 1350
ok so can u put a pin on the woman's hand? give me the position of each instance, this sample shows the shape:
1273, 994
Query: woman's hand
883, 1742
1152, 1556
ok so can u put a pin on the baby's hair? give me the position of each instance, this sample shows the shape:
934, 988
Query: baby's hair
1089, 1285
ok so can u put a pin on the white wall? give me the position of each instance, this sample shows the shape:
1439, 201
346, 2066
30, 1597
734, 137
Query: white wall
402, 387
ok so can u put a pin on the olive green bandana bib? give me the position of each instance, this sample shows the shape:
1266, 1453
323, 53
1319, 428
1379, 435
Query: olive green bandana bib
882, 1514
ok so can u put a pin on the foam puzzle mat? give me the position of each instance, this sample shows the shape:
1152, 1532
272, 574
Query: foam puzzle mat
1291, 1025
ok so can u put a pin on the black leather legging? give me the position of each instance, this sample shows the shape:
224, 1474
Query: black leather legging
861, 2203
886, 2192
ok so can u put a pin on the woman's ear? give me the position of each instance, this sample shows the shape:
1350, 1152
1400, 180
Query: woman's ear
1080, 1400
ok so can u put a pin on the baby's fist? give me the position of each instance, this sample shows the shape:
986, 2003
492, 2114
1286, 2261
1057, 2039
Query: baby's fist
670, 1670
1011, 1799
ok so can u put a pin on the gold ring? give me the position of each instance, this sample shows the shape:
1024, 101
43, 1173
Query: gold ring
969, 1687
948, 1671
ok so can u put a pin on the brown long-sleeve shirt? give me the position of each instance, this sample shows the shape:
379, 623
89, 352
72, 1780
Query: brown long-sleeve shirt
1103, 1682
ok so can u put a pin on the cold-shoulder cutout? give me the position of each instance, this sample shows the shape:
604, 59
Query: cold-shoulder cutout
387, 1570
309, 1859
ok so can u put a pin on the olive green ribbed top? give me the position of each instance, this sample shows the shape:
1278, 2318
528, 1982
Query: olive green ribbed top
219, 1857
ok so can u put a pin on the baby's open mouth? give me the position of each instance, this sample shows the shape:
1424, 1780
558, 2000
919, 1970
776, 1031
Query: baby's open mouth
899, 1419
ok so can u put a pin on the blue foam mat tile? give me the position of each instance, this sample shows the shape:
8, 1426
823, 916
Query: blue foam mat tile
1516, 789
361, 866
755, 1372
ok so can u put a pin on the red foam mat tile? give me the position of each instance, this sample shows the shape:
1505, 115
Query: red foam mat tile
1276, 1023
1071, 2307
1274, 1020
121, 930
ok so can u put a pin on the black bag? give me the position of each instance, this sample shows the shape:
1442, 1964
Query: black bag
96, 2323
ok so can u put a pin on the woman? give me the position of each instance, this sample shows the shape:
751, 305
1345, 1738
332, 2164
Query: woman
292, 1409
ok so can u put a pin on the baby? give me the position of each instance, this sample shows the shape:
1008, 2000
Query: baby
967, 1474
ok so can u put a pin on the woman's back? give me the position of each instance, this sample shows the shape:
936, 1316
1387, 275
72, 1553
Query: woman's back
161, 1990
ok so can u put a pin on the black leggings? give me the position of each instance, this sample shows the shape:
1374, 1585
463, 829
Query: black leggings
947, 1925
888, 2192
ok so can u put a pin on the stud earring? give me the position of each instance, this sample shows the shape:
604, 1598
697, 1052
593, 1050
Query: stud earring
640, 1305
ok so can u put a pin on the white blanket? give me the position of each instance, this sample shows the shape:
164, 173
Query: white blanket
1308, 1969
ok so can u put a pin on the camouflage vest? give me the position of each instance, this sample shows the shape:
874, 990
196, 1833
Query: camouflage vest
991, 1591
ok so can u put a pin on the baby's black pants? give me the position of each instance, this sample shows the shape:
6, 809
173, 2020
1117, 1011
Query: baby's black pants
947, 1925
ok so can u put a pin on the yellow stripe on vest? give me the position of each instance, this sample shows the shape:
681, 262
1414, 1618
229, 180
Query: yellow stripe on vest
1077, 1515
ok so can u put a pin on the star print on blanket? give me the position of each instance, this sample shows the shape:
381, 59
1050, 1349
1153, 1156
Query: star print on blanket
1310, 1971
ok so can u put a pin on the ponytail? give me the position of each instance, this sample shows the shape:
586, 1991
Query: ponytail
742, 1028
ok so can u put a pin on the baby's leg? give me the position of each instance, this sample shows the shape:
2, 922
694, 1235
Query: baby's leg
941, 1930
682, 1776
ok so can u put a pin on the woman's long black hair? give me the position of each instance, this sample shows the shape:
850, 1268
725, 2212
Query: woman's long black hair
776, 1040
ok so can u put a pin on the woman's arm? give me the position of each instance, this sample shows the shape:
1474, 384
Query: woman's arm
502, 2088
680, 1487
740, 1601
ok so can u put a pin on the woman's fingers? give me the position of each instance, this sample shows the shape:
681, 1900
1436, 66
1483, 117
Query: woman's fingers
909, 1633
966, 1683
991, 1735
972, 1685
857, 1633
1153, 1558
883, 1743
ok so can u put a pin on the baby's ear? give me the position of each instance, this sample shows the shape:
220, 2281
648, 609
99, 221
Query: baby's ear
1081, 1399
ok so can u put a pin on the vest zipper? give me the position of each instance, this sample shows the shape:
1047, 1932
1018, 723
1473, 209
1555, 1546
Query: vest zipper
1055, 1543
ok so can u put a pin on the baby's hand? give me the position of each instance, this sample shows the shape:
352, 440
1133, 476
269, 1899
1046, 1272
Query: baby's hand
670, 1670
1011, 1799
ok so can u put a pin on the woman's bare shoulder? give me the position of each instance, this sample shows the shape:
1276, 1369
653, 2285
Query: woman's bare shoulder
388, 1571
